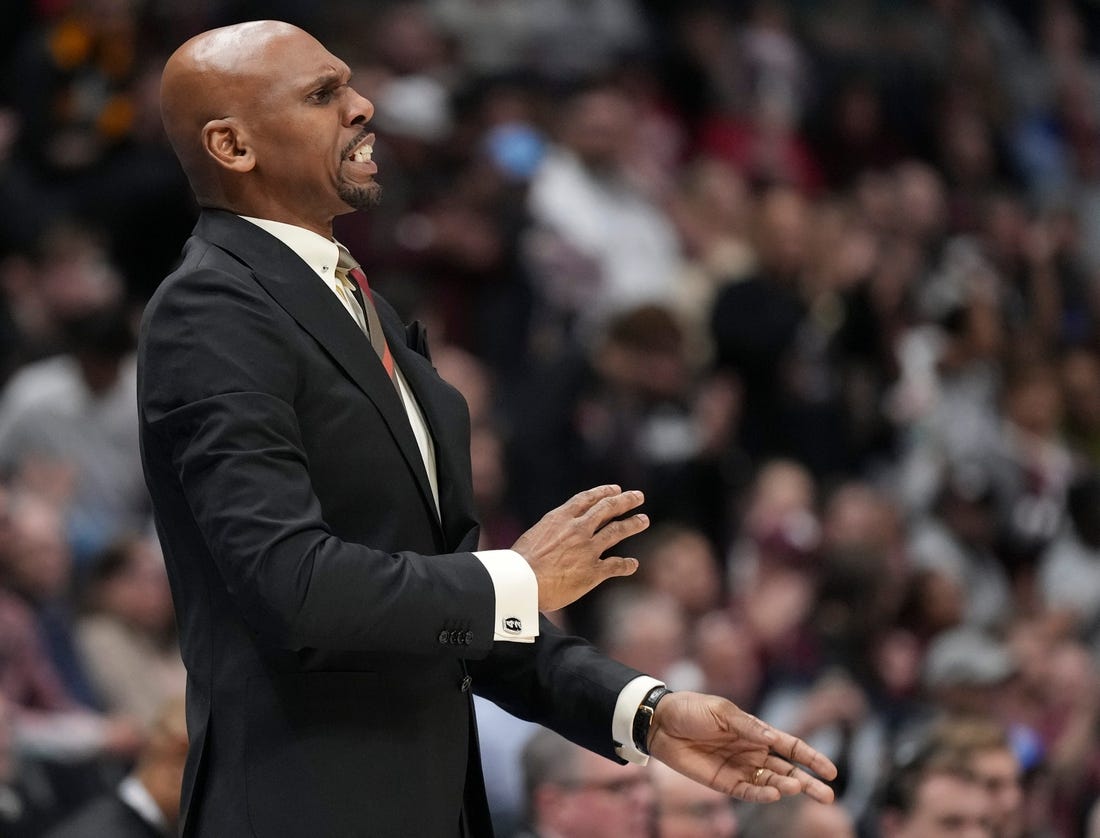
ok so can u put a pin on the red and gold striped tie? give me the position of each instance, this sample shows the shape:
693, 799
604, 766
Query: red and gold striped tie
348, 268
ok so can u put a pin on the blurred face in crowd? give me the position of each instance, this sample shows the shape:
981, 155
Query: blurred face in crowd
685, 568
998, 770
1081, 390
139, 592
602, 800
944, 806
39, 563
817, 820
686, 809
1035, 405
783, 231
598, 127
727, 654
266, 123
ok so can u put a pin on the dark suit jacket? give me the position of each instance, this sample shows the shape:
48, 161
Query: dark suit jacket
106, 817
328, 618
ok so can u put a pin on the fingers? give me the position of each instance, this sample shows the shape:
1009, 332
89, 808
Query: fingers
791, 747
605, 522
791, 779
617, 566
612, 506
582, 502
798, 752
617, 531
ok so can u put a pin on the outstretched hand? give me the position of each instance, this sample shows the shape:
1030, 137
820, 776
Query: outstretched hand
564, 549
714, 742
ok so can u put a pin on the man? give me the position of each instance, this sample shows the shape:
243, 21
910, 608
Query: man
686, 809
146, 804
310, 475
796, 816
984, 746
935, 796
573, 793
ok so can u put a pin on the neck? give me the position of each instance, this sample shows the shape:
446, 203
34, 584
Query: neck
267, 213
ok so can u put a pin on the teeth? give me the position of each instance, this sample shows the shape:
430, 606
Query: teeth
362, 154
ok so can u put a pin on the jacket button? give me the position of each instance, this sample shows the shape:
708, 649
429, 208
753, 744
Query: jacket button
443, 637
468, 637
456, 637
466, 683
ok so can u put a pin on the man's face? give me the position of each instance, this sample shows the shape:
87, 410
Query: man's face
948, 807
307, 126
606, 800
999, 771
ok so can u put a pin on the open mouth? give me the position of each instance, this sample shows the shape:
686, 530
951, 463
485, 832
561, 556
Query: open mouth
361, 150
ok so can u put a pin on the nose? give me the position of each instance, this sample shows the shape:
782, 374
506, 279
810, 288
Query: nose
360, 109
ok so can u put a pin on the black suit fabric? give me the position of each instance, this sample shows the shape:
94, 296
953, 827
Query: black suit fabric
329, 618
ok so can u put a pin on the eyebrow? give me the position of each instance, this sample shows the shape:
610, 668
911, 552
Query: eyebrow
332, 78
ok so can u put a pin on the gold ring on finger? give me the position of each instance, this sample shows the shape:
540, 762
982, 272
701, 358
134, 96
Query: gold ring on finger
756, 776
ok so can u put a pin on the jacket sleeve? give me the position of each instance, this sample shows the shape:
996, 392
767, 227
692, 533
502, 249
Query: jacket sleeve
559, 681
217, 385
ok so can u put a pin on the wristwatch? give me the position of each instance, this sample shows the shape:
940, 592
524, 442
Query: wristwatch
644, 716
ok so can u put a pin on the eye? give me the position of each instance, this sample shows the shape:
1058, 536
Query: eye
322, 96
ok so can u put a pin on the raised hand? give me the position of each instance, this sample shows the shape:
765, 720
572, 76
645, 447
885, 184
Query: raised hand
716, 743
564, 548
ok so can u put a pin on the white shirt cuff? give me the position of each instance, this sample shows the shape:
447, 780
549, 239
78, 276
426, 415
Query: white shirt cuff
622, 723
517, 595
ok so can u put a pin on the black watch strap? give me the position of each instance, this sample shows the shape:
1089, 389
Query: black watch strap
644, 717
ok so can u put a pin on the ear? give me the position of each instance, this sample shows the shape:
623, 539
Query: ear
226, 140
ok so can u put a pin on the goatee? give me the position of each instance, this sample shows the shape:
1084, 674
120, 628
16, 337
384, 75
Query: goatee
361, 196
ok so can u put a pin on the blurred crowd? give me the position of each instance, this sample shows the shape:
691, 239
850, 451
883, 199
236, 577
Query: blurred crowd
821, 278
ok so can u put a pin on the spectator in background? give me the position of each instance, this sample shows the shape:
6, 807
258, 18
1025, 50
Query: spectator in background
680, 562
687, 809
65, 276
648, 628
598, 245
814, 821
1080, 377
985, 747
76, 415
36, 574
127, 632
1031, 467
147, 802
1069, 571
967, 671
69, 746
935, 796
958, 542
772, 565
728, 658
574, 793
23, 814
713, 212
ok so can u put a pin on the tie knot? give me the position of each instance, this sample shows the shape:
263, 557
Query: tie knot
345, 260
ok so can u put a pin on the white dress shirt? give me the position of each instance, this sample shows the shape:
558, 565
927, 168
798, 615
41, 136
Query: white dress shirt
515, 588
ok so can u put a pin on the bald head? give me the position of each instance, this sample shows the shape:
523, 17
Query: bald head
215, 76
265, 123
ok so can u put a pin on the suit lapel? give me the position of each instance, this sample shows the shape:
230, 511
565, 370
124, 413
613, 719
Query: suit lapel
306, 298
449, 425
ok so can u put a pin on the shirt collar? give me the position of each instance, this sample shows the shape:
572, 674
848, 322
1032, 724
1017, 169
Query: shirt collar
137, 797
319, 253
